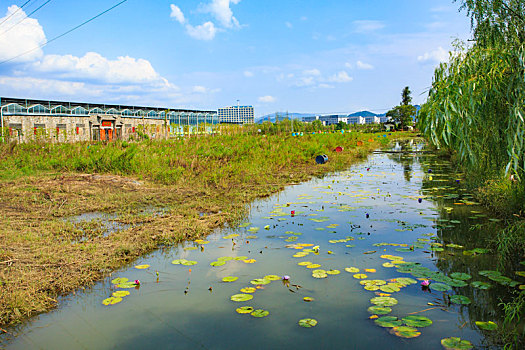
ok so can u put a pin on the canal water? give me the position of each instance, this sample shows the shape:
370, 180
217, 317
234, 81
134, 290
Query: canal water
370, 236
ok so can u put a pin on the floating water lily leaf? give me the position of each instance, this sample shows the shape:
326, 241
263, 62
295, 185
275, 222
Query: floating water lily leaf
191, 248
239, 258
260, 313
201, 241
390, 288
457, 283
308, 299
245, 224
272, 277
383, 301
406, 280
308, 322
460, 299
250, 261
119, 280
351, 269
388, 322
313, 266
387, 264
111, 301
120, 293
230, 279
217, 263
406, 332
319, 273
440, 287
225, 258
460, 276
142, 267
253, 229
360, 276
487, 326
417, 321
333, 272
305, 263
379, 310
178, 261
248, 290
126, 285
520, 273
300, 255
260, 281
244, 310
456, 246
241, 297
481, 285
455, 343
230, 236
189, 263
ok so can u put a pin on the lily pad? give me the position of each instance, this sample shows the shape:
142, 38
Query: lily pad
457, 283
360, 276
230, 279
417, 321
126, 285
406, 332
481, 285
460, 276
190, 248
456, 343
244, 310
308, 322
260, 313
119, 280
250, 261
260, 281
319, 273
305, 263
388, 321
248, 290
189, 263
111, 301
460, 299
440, 287
308, 299
217, 263
313, 266
241, 297
272, 277
178, 261
379, 310
383, 301
351, 269
333, 272
225, 258
120, 293
487, 326
142, 267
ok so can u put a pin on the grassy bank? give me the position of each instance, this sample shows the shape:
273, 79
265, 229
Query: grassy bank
199, 183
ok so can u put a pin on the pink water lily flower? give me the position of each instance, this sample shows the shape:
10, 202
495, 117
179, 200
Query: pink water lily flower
286, 278
137, 282
425, 283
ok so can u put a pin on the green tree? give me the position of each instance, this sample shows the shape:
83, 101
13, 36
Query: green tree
402, 115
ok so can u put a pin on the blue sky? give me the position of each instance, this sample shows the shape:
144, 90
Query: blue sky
299, 56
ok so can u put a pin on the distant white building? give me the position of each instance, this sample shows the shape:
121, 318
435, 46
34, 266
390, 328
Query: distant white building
236, 115
327, 119
384, 119
372, 120
356, 120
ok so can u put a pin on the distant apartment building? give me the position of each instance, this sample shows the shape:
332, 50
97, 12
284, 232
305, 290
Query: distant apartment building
236, 115
372, 120
356, 120
384, 119
327, 119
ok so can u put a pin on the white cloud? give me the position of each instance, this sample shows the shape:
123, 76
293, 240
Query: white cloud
289, 25
267, 99
367, 26
94, 66
340, 77
205, 31
221, 10
312, 72
200, 89
325, 86
438, 55
26, 36
248, 74
177, 14
364, 66
349, 65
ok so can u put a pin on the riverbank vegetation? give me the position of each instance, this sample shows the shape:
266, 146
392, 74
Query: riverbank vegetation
476, 111
161, 192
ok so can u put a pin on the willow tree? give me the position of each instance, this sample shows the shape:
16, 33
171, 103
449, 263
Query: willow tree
476, 102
